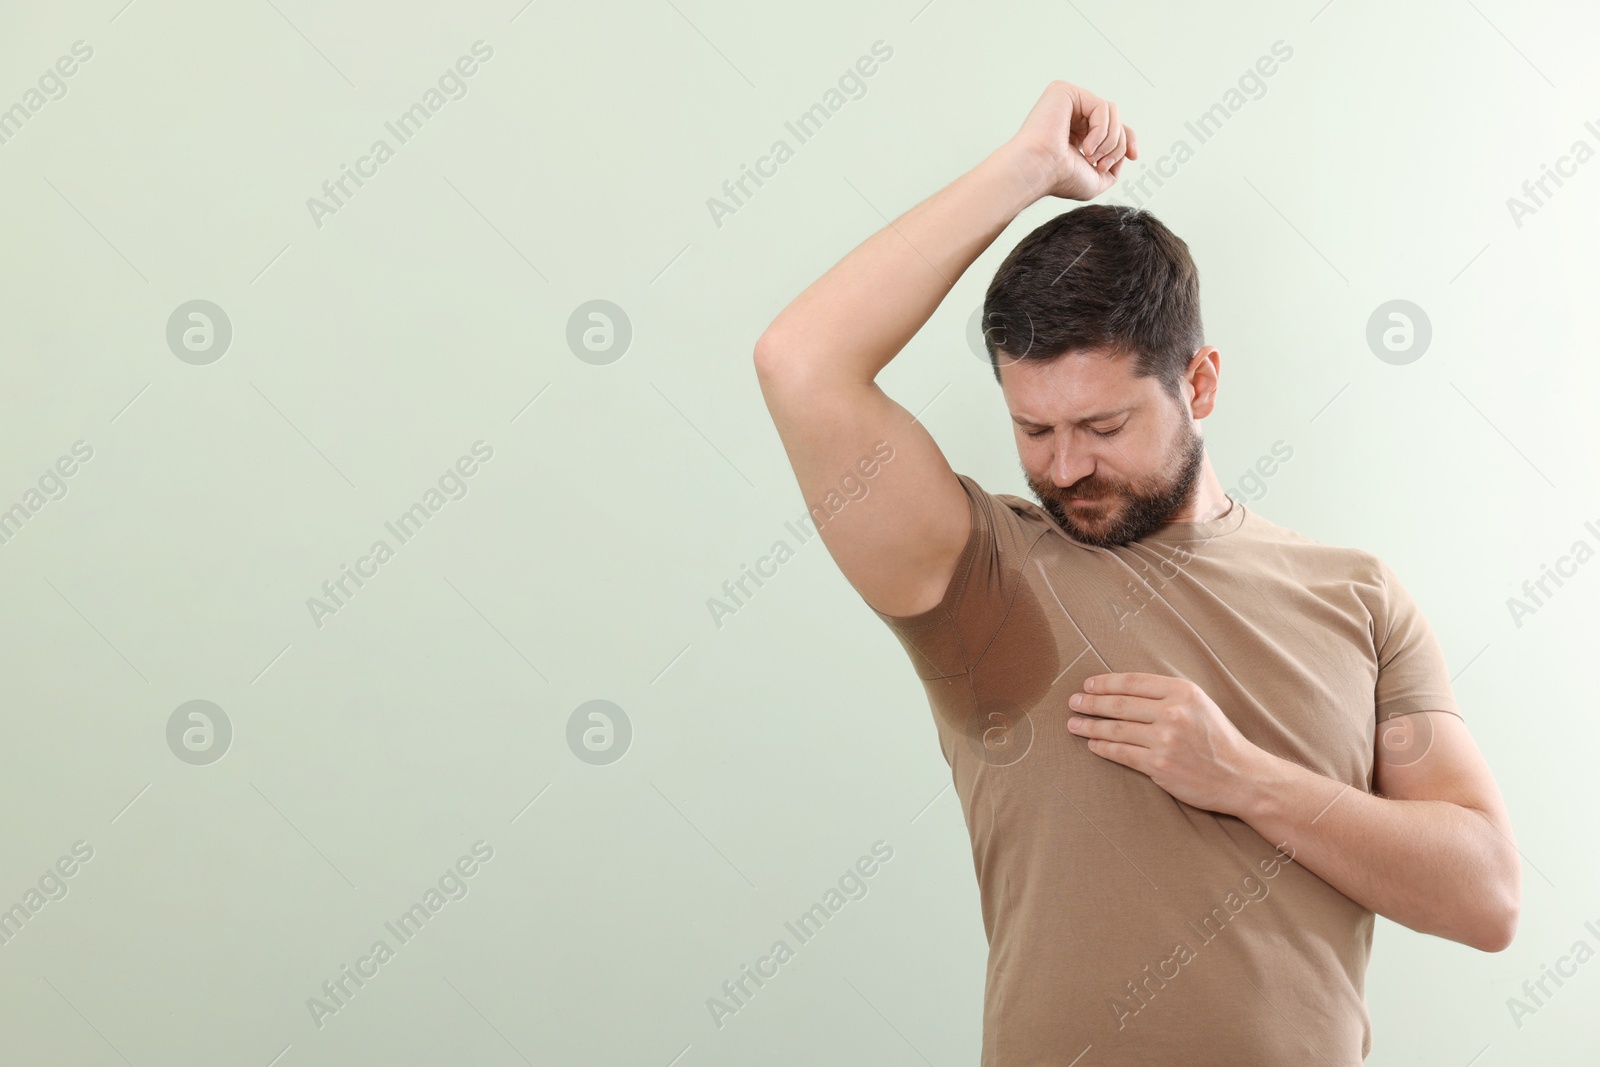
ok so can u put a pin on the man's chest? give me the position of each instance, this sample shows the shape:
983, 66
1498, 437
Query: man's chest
1288, 658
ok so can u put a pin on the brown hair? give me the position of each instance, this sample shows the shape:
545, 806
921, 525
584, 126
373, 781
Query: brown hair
1098, 276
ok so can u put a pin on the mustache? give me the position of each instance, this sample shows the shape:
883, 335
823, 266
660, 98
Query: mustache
1088, 490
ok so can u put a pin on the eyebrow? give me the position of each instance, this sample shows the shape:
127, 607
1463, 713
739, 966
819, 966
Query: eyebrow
1102, 416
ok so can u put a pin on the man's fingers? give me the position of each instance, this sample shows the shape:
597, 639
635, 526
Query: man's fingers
1131, 683
1098, 114
1113, 155
1130, 709
1120, 752
1109, 730
1113, 138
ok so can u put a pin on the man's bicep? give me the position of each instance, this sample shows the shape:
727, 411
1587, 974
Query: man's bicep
1431, 755
890, 509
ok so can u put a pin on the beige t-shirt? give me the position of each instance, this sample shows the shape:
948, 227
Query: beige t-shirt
1123, 924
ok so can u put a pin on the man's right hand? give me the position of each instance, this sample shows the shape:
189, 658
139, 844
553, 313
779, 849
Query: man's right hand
1077, 140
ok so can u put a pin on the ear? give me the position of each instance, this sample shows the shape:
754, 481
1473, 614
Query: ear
1202, 376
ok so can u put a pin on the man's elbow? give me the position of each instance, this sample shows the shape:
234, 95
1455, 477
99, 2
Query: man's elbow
1500, 928
771, 355
1497, 925
1498, 895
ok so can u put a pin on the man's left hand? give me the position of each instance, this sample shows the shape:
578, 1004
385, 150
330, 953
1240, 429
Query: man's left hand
1169, 729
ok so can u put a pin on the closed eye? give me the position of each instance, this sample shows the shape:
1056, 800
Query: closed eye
1097, 433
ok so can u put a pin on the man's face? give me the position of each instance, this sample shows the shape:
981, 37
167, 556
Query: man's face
1109, 456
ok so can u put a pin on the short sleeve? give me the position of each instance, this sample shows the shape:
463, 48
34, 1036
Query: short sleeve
949, 638
1412, 674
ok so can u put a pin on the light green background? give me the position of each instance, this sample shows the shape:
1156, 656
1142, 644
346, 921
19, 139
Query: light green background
431, 711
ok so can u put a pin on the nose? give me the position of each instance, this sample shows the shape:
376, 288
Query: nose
1071, 465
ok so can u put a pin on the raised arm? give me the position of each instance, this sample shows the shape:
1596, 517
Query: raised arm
818, 360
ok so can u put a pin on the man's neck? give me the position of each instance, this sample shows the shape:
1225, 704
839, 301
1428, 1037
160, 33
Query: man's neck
1209, 503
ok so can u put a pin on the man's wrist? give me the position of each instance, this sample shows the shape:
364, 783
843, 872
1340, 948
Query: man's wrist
1029, 175
1262, 786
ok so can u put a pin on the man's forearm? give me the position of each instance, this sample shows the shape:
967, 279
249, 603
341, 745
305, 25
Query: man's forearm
1431, 865
854, 319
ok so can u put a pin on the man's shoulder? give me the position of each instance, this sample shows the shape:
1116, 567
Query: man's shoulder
1358, 564
974, 485
1024, 514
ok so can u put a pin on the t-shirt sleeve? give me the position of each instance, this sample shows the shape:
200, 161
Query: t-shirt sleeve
1412, 674
949, 638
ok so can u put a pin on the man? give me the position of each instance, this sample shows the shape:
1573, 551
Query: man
1195, 750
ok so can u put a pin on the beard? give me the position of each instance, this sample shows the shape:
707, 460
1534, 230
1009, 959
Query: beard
1122, 512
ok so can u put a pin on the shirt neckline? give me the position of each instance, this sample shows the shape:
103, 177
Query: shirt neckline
1227, 523
1171, 533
